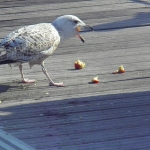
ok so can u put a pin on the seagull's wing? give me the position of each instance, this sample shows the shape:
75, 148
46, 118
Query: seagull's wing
30, 41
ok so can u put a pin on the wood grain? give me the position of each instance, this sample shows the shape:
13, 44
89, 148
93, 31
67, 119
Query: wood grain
111, 115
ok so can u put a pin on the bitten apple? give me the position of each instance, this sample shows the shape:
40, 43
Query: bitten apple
79, 64
120, 70
95, 80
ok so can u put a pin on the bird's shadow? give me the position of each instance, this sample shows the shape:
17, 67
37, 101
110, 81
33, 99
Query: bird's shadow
73, 69
139, 20
4, 88
141, 1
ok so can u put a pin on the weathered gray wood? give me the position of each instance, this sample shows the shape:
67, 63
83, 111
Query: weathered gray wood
7, 141
111, 115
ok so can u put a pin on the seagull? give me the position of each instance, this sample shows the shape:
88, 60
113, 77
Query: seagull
34, 43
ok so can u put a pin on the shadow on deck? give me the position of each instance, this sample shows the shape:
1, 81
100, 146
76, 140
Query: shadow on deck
116, 121
138, 20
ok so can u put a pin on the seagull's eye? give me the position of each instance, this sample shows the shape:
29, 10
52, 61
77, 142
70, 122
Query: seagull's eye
76, 21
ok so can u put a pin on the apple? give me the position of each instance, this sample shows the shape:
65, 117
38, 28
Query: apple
120, 70
95, 80
79, 64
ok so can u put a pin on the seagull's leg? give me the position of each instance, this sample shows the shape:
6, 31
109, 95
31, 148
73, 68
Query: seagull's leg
51, 83
22, 76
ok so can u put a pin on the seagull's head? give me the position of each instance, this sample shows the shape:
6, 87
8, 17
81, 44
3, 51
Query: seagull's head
69, 26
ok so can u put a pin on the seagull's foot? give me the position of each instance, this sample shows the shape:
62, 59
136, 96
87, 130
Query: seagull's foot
28, 81
56, 84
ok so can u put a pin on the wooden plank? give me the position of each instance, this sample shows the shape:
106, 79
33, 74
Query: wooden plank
113, 114
8, 142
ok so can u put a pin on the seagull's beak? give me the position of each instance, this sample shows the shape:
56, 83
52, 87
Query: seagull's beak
87, 27
80, 37
83, 27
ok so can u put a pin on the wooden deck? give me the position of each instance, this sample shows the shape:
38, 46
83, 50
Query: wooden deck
111, 115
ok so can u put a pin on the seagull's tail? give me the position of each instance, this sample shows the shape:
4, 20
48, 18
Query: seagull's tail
3, 57
7, 62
